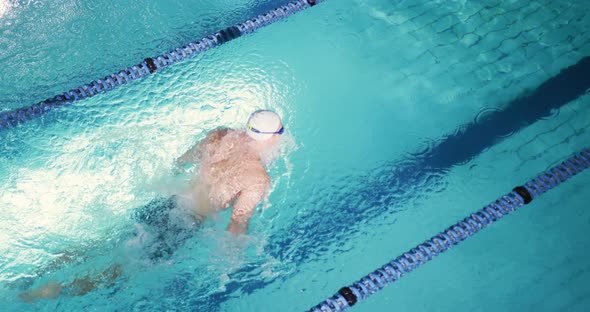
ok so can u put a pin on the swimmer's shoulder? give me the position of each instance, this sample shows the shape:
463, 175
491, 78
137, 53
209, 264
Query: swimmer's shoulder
218, 133
214, 136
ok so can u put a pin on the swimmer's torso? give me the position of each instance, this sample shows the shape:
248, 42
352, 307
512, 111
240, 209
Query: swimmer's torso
227, 166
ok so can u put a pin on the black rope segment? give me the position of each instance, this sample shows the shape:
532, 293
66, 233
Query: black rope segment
348, 295
234, 32
229, 34
311, 2
524, 193
151, 65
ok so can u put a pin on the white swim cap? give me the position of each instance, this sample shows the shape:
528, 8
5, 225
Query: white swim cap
263, 124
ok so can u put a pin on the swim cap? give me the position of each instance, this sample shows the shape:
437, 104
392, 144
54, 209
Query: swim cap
263, 124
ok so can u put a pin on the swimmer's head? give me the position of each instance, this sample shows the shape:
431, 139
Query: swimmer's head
263, 125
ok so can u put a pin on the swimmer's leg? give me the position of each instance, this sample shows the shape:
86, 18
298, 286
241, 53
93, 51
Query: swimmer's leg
84, 285
156, 213
169, 224
51, 290
79, 287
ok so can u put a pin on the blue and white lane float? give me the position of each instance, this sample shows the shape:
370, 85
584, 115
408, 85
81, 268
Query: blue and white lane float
348, 296
11, 119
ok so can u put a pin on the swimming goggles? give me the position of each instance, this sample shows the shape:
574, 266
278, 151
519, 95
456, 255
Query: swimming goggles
280, 131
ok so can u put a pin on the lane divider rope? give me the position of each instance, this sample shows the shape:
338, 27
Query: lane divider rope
10, 119
348, 296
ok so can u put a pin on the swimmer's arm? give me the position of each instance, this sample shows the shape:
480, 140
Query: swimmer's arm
195, 153
244, 209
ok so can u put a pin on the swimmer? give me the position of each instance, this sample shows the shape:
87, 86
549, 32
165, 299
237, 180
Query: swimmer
232, 169
231, 173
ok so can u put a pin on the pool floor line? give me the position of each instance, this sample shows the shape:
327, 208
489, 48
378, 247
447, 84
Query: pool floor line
382, 187
521, 195
11, 119
474, 137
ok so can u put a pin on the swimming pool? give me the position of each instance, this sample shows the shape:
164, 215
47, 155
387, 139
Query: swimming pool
378, 99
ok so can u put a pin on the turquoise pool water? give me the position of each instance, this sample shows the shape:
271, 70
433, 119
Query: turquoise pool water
367, 89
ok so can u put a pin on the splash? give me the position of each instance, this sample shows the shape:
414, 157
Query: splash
3, 8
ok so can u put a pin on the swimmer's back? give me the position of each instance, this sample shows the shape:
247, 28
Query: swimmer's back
229, 167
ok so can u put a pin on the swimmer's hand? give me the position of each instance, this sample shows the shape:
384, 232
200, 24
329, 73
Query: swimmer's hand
244, 207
